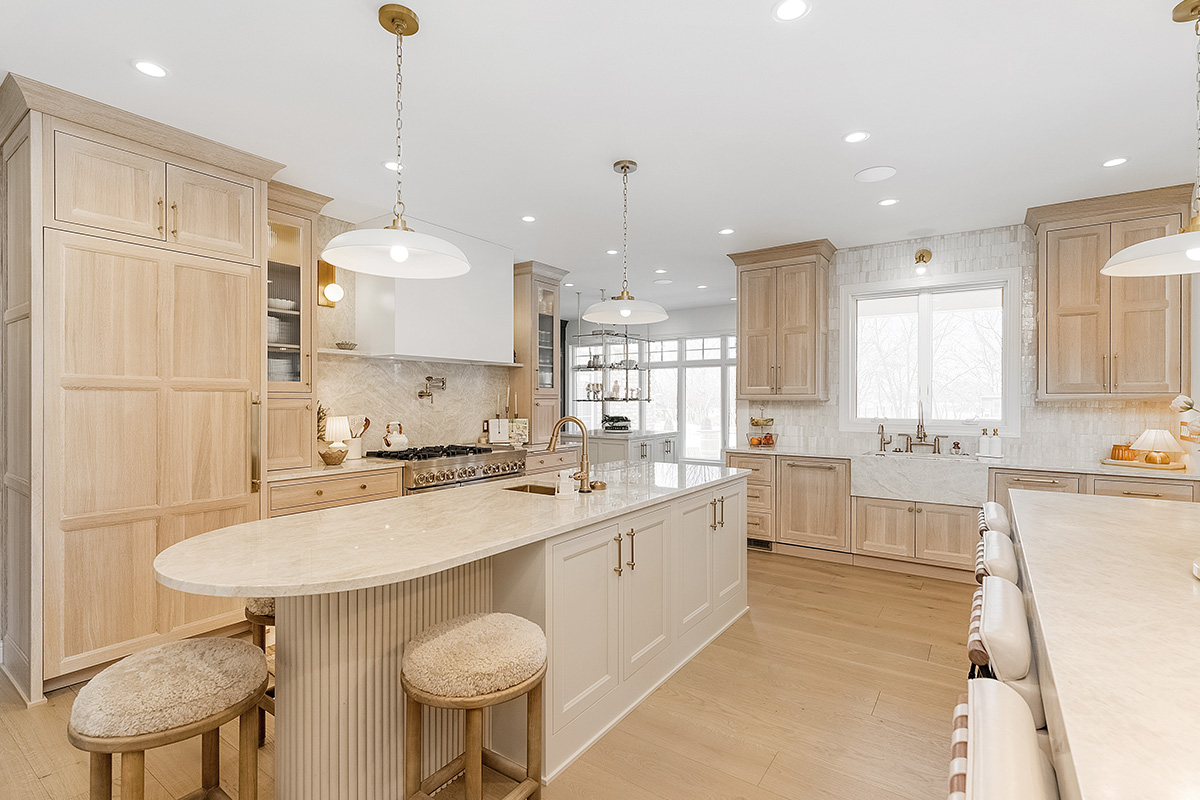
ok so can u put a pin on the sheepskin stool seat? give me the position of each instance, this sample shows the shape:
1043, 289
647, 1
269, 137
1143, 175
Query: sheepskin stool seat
164, 695
260, 612
473, 662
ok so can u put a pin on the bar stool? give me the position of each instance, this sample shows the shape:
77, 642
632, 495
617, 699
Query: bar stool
995, 556
998, 643
167, 694
995, 518
473, 662
994, 750
260, 611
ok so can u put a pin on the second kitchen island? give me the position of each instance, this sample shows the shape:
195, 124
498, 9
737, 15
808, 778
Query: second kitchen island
629, 584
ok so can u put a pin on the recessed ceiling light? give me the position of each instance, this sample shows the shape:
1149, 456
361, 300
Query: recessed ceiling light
702, 286
150, 68
528, 218
659, 271
664, 281
392, 166
725, 231
854, 137
891, 201
612, 252
874, 174
733, 298
790, 10
568, 284
1115, 162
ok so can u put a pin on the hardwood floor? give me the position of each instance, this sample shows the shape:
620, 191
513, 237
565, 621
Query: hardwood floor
839, 683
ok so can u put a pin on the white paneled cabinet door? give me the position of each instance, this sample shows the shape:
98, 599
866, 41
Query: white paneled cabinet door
645, 590
586, 622
729, 544
694, 557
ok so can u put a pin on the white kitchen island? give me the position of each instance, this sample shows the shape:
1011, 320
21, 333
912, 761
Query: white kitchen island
628, 583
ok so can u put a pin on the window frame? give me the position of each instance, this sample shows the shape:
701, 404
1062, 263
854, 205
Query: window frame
1007, 280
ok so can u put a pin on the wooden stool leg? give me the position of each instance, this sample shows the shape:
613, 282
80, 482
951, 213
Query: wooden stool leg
133, 775
210, 759
248, 756
101, 777
533, 739
474, 754
412, 747
258, 637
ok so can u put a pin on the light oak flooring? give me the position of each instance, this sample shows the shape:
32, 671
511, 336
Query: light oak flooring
839, 683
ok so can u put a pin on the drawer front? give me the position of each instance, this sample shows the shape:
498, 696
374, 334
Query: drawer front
1148, 490
762, 468
760, 525
1005, 482
334, 491
547, 462
760, 498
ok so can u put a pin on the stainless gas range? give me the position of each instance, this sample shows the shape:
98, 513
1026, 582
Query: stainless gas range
444, 466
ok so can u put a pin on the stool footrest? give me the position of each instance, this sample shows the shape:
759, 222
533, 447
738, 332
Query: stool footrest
215, 793
506, 767
443, 775
526, 788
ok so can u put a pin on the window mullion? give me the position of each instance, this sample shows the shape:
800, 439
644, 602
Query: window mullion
925, 351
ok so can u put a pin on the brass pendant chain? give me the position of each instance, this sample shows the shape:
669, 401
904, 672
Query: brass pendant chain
398, 208
625, 233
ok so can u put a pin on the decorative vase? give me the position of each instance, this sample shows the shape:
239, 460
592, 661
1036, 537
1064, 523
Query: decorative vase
334, 455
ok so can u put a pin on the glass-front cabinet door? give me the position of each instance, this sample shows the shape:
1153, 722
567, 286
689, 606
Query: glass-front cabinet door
289, 303
545, 299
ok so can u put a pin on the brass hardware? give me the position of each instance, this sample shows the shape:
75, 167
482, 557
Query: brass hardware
924, 256
910, 509
326, 274
585, 482
632, 562
714, 510
1104, 370
1114, 375
721, 500
617, 569
255, 436
1141, 494
811, 466
1049, 481
1187, 11
598, 486
919, 510
255, 485
308, 406
771, 379
625, 166
320, 492
778, 378
175, 220
162, 215
362, 486
393, 16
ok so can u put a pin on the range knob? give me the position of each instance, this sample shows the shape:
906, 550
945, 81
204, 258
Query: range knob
463, 472
423, 477
489, 469
470, 472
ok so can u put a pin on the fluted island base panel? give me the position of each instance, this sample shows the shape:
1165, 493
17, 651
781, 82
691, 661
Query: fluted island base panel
339, 725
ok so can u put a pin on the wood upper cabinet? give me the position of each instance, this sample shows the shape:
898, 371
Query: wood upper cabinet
536, 343
783, 321
291, 430
210, 213
814, 502
107, 187
1101, 336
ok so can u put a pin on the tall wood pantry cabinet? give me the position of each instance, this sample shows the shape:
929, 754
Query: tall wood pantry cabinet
536, 315
783, 321
132, 274
1101, 336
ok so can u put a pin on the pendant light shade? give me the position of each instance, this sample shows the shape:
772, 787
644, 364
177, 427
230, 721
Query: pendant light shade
1168, 255
395, 253
624, 309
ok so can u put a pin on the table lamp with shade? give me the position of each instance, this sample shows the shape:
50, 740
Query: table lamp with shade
1158, 445
337, 432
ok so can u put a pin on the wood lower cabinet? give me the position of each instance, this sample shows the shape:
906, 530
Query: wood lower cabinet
1144, 489
885, 527
1004, 481
813, 502
947, 535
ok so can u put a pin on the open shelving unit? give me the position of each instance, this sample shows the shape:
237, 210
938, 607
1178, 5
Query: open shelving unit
627, 371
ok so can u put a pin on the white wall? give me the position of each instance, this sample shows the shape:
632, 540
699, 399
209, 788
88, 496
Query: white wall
456, 318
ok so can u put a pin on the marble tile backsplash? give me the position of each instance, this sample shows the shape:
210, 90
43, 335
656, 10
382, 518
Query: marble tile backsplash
1050, 431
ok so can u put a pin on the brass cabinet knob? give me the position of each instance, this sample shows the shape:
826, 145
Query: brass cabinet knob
320, 492
362, 486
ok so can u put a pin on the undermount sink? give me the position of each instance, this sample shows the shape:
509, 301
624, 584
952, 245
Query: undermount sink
532, 488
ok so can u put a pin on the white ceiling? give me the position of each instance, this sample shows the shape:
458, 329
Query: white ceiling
520, 107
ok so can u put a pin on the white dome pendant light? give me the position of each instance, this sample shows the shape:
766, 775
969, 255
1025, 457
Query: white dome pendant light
1178, 254
624, 309
396, 251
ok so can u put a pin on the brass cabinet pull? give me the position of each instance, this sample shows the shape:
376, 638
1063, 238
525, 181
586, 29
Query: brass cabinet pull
1104, 370
721, 500
772, 377
162, 215
255, 435
175, 220
1142, 494
1114, 375
320, 492
632, 562
1049, 481
713, 503
778, 378
809, 466
617, 569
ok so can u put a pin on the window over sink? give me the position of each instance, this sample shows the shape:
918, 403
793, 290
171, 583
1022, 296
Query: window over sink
946, 347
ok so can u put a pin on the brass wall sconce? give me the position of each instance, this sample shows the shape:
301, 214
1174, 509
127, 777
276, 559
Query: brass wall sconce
329, 292
923, 258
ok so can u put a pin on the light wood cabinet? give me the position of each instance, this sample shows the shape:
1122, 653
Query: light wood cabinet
1144, 489
645, 590
537, 346
1002, 482
885, 527
308, 494
946, 535
536, 462
210, 213
1101, 336
291, 426
783, 321
813, 501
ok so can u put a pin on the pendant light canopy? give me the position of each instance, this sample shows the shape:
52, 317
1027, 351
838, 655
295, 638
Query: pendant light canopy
1178, 254
396, 251
624, 309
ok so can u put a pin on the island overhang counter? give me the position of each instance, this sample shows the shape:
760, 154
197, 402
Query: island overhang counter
628, 583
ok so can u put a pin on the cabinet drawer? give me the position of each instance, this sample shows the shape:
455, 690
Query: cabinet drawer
1150, 490
548, 462
334, 491
762, 468
760, 525
760, 498
1005, 482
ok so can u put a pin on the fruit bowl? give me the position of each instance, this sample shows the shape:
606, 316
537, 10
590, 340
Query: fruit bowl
345, 345
762, 441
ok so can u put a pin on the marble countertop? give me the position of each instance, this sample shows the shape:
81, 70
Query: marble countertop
347, 467
1111, 580
388, 541
623, 435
